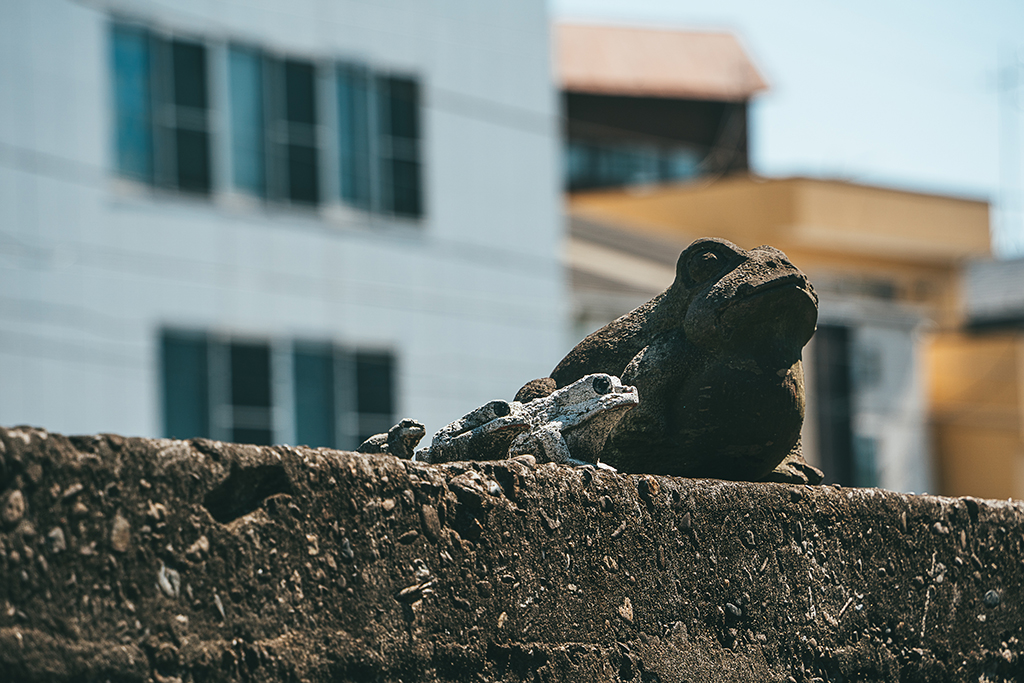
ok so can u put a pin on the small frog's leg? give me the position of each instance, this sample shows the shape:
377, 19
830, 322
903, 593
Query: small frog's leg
795, 470
378, 443
592, 465
579, 463
554, 446
483, 434
545, 443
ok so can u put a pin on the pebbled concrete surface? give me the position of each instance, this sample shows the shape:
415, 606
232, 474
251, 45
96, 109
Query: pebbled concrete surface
157, 560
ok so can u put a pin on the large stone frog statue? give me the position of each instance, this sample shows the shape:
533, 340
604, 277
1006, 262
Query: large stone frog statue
716, 361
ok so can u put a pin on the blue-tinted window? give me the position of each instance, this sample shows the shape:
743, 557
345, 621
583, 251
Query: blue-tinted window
313, 368
132, 102
591, 164
247, 155
161, 104
354, 135
679, 164
185, 381
865, 461
163, 132
225, 390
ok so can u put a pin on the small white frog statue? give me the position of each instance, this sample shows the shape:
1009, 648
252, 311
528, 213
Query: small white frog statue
568, 426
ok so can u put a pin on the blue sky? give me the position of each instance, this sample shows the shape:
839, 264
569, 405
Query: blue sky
901, 93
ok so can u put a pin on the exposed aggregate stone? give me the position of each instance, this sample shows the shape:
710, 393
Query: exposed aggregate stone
159, 560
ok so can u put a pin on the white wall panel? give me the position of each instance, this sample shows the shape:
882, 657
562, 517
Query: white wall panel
471, 298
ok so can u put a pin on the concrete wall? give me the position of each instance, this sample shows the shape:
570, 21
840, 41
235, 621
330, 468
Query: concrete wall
138, 560
470, 297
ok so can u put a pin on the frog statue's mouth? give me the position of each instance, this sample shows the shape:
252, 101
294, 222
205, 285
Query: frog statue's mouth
792, 281
780, 311
755, 309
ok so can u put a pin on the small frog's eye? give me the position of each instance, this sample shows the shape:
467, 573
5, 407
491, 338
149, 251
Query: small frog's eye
602, 385
500, 408
703, 265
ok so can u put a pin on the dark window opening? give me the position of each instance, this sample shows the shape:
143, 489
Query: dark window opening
618, 140
399, 142
193, 154
302, 175
250, 393
374, 393
298, 124
834, 397
192, 137
189, 60
300, 102
250, 375
373, 379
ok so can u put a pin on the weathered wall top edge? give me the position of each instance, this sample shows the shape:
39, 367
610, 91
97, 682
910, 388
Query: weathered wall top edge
152, 559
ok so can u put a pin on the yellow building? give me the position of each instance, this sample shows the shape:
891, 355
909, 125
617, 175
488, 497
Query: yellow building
978, 413
899, 246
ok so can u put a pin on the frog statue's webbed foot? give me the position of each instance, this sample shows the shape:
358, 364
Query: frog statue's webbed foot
795, 470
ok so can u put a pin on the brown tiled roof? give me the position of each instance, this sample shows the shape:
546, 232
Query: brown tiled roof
650, 62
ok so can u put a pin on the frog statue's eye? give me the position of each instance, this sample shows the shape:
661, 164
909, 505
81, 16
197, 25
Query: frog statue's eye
703, 265
602, 385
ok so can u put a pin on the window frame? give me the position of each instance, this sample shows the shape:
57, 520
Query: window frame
330, 174
384, 149
164, 120
220, 416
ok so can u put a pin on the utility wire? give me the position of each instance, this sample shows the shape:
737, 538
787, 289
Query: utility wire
1009, 238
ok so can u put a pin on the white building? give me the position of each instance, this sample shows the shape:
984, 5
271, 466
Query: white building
286, 221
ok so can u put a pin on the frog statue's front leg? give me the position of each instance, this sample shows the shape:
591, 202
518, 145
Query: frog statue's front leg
547, 444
